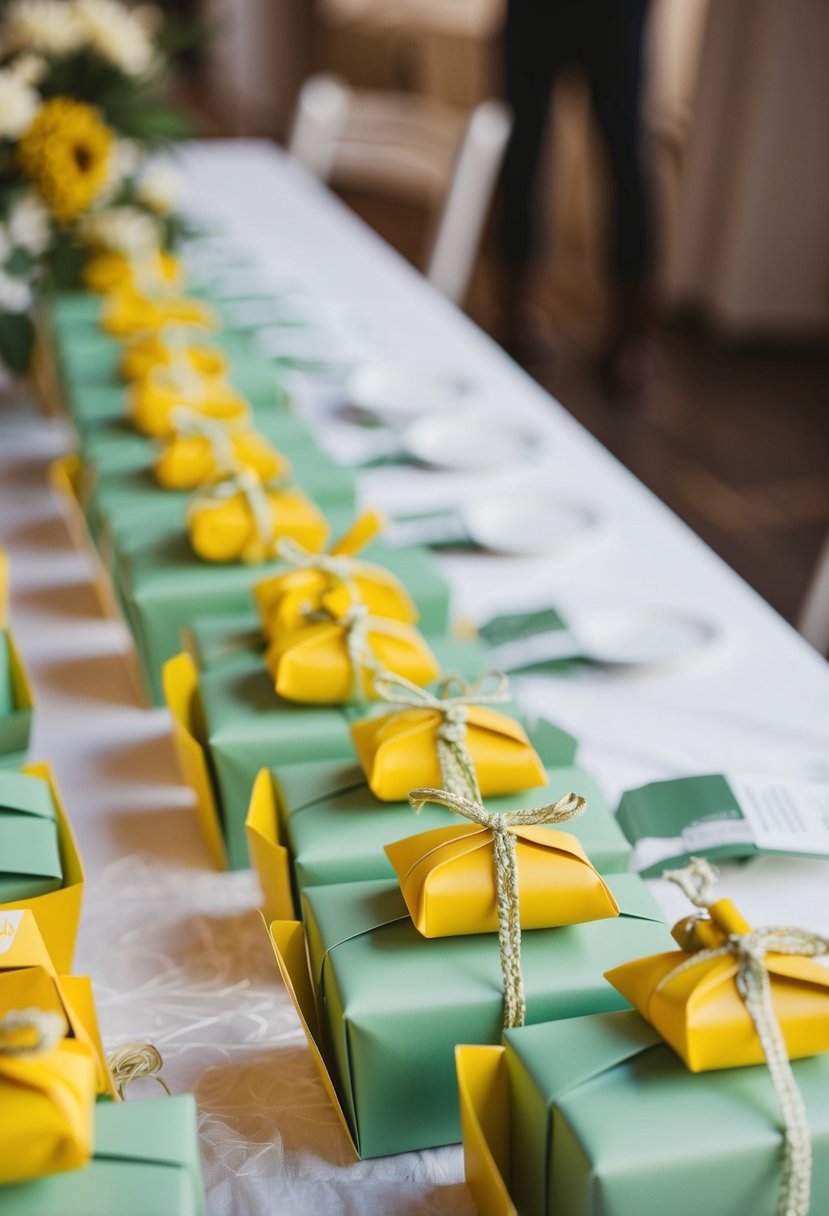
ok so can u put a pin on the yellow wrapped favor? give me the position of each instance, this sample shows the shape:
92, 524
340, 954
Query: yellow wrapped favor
450, 739
284, 599
159, 349
243, 519
334, 659
203, 449
153, 399
47, 1094
112, 271
692, 996
449, 882
126, 312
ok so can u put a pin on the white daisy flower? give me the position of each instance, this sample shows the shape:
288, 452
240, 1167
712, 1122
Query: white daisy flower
117, 34
18, 105
48, 27
29, 226
126, 230
159, 188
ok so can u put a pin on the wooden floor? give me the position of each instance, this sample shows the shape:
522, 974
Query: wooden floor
736, 441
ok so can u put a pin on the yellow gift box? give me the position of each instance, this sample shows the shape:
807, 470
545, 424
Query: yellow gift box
126, 312
285, 599
110, 271
335, 659
692, 996
447, 877
148, 351
203, 449
243, 519
153, 400
406, 748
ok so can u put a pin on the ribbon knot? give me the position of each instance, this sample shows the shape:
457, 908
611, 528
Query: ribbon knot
452, 701
339, 567
754, 987
255, 493
504, 862
193, 424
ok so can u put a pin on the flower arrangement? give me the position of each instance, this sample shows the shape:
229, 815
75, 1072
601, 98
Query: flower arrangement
81, 110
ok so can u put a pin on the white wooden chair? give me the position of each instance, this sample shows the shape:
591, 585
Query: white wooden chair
410, 147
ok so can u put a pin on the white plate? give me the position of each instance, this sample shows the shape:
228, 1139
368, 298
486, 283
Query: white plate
474, 440
397, 393
642, 636
525, 524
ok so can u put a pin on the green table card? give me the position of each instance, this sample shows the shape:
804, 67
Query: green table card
146, 1163
395, 1004
245, 727
30, 863
607, 1121
335, 829
724, 818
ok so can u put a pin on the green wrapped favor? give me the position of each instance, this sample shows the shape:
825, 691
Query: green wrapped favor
30, 863
146, 1163
606, 1120
395, 1004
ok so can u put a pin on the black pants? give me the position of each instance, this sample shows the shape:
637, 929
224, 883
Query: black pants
604, 38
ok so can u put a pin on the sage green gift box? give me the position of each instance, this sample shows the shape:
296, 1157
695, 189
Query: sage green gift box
30, 862
146, 1163
606, 1120
246, 727
395, 1004
16, 704
163, 586
335, 829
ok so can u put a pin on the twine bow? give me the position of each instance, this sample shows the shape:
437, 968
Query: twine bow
26, 1032
339, 567
181, 376
255, 494
754, 986
135, 1062
452, 701
193, 424
506, 876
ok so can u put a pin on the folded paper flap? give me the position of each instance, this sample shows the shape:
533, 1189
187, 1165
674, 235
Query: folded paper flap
31, 849
21, 944
575, 1058
155, 1131
303, 786
634, 899
376, 906
24, 794
483, 1090
22, 695
70, 858
396, 727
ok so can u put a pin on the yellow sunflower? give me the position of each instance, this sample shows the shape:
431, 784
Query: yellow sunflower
65, 153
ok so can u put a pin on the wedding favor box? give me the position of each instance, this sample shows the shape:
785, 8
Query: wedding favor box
40, 867
321, 824
597, 1116
145, 1163
383, 1007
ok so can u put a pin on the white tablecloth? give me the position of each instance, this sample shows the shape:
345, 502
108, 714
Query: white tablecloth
177, 952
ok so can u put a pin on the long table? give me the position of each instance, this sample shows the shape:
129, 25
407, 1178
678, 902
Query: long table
177, 952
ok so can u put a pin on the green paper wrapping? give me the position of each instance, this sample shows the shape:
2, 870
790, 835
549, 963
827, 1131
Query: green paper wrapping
246, 726
15, 705
396, 1004
335, 829
607, 1121
146, 1163
163, 586
30, 862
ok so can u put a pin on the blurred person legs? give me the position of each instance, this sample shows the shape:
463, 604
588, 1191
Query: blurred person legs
604, 38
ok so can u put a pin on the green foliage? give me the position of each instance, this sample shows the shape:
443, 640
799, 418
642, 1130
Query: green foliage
17, 336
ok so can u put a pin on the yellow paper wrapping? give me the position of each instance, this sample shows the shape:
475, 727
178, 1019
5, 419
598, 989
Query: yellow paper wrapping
313, 663
153, 400
111, 271
399, 750
447, 878
284, 599
247, 522
191, 460
148, 351
700, 1011
126, 312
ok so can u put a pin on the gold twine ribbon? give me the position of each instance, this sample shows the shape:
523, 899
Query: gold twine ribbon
193, 424
754, 986
506, 876
26, 1032
181, 376
452, 701
136, 1062
339, 568
255, 493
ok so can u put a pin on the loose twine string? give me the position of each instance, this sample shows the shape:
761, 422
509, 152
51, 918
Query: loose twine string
697, 880
506, 876
45, 1030
136, 1062
452, 701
